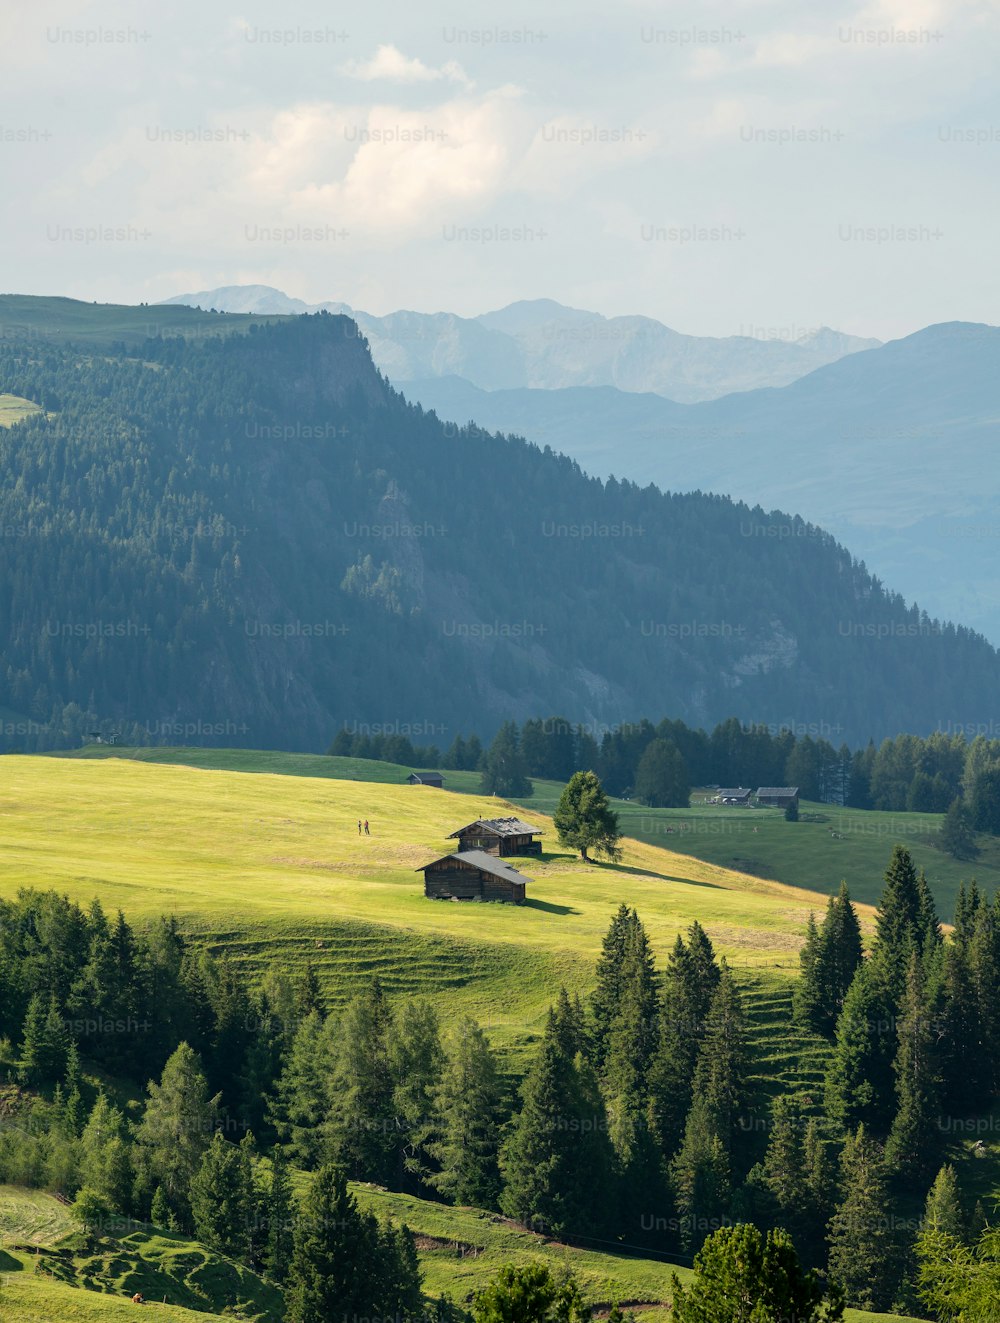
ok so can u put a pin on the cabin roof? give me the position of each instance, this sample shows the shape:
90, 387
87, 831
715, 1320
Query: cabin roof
775, 791
487, 863
738, 792
501, 827
427, 776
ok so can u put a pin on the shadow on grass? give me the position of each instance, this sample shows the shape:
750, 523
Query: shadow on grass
549, 907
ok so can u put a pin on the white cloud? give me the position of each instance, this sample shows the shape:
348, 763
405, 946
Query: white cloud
389, 64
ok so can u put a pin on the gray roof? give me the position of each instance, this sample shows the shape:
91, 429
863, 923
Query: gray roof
740, 792
427, 776
488, 863
501, 827
773, 792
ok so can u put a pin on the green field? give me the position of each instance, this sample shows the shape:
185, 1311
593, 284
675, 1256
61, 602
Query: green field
13, 408
826, 845
41, 1276
104, 324
271, 869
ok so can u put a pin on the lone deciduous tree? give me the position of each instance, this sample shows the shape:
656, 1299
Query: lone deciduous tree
585, 819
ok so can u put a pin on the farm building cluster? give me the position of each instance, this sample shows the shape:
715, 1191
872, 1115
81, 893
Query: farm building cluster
764, 796
477, 869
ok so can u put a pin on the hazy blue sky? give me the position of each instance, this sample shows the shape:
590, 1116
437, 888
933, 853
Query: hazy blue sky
753, 166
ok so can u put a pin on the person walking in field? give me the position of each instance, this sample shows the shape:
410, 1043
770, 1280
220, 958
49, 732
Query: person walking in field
367, 832
359, 826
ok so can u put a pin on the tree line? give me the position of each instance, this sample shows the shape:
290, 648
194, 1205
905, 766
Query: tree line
646, 1116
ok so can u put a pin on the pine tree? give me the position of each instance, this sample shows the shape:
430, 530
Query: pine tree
280, 1218
556, 1157
609, 979
956, 835
45, 1042
332, 1256
965, 1066
723, 1061
899, 923
159, 1213
661, 777
585, 820
842, 952
701, 1175
864, 1256
860, 1085
302, 1094
943, 1210
914, 1143
417, 1060
808, 998
221, 1199
105, 1156
689, 984
72, 1090
361, 1124
468, 1103
742, 1276
504, 772
784, 1169
176, 1128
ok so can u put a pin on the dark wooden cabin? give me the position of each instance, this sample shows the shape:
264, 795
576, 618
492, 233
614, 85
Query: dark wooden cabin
778, 796
733, 795
499, 836
473, 875
425, 779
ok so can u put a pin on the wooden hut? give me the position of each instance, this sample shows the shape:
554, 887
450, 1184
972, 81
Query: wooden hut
425, 779
499, 836
473, 875
778, 796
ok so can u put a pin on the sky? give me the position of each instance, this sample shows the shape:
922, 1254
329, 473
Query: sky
757, 167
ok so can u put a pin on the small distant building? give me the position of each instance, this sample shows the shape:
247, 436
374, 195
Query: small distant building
777, 796
499, 836
733, 795
473, 875
426, 779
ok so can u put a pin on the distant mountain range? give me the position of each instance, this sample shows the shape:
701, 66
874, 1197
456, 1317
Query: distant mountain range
542, 345
230, 530
892, 447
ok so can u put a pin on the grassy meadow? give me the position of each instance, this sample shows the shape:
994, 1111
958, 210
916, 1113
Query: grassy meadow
271, 868
13, 408
43, 1264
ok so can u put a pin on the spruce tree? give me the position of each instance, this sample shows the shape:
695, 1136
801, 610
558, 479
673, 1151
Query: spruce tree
609, 979
915, 1141
333, 1254
504, 771
956, 835
943, 1210
860, 1084
723, 1061
808, 997
221, 1197
416, 1061
44, 1042
176, 1127
701, 1175
469, 1106
864, 1255
302, 1093
741, 1276
900, 921
556, 1157
361, 1124
280, 1218
842, 953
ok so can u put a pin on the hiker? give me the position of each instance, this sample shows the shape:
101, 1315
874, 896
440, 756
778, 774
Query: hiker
359, 826
367, 832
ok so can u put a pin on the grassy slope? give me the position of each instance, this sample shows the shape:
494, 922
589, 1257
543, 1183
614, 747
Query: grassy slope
103, 324
460, 1250
826, 845
829, 843
13, 408
272, 867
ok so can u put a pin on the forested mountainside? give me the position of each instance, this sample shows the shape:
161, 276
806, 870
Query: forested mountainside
252, 539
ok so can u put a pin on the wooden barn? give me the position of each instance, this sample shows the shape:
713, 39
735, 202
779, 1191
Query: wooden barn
733, 795
473, 875
777, 796
425, 779
500, 836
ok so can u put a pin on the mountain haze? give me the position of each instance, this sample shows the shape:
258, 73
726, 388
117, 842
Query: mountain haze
251, 538
540, 344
